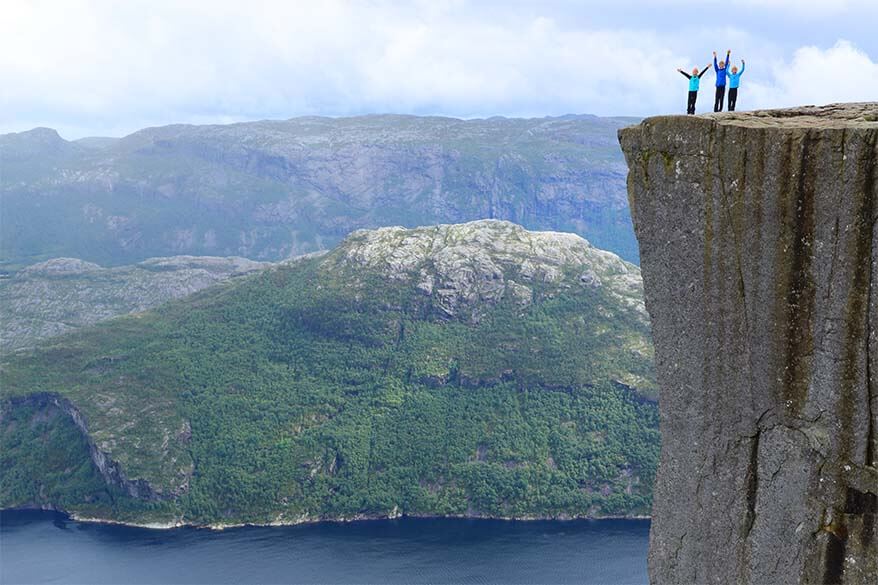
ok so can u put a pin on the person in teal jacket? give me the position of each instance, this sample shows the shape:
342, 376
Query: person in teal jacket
720, 69
694, 82
734, 82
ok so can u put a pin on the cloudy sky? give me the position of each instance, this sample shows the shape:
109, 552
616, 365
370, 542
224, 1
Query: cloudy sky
106, 67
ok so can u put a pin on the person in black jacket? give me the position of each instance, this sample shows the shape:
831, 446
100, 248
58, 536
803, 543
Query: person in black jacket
694, 82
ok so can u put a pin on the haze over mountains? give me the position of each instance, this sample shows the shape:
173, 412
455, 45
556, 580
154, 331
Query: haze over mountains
274, 189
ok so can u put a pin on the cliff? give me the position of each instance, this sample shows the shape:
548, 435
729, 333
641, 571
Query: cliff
758, 244
47, 405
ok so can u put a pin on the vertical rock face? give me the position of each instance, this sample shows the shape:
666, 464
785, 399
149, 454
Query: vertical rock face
759, 242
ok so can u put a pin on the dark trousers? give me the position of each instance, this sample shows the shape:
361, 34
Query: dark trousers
733, 98
718, 101
690, 105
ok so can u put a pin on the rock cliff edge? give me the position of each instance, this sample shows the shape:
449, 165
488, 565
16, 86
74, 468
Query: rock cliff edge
759, 243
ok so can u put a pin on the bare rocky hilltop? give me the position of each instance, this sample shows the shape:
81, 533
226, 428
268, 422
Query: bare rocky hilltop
470, 267
63, 294
759, 244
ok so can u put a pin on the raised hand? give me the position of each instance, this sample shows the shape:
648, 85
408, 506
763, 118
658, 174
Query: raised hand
714, 53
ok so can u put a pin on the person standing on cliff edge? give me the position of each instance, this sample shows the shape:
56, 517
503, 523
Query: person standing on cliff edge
734, 82
720, 69
694, 82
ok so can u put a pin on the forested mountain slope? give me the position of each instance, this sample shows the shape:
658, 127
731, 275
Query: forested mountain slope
476, 369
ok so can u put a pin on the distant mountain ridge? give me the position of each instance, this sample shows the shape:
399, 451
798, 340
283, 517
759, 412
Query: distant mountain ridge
270, 190
63, 294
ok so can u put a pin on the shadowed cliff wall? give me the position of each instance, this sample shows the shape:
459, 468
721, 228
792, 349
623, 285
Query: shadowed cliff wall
758, 242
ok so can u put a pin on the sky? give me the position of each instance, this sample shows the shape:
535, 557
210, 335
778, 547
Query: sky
108, 68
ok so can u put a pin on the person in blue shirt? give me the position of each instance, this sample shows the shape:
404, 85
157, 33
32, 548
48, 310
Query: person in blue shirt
720, 69
734, 82
694, 82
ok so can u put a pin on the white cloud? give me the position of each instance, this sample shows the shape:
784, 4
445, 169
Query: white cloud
107, 67
817, 76
794, 7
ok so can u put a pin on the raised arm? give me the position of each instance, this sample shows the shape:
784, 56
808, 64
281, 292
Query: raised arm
715, 65
703, 71
684, 74
743, 66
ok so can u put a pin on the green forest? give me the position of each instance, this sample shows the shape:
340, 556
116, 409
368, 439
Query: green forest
310, 392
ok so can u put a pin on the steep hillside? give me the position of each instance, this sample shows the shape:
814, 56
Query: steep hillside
475, 369
62, 294
274, 189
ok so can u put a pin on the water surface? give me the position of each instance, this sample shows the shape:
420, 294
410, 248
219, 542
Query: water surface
42, 547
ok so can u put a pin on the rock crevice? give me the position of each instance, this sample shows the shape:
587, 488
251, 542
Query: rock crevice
758, 241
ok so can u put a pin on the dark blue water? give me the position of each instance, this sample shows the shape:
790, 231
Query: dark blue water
41, 547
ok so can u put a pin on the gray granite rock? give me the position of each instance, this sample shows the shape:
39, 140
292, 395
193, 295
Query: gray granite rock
759, 242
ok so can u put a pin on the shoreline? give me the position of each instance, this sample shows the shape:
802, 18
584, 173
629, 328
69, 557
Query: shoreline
278, 523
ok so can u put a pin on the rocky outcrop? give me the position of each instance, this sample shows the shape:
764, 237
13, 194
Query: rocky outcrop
468, 268
759, 244
64, 294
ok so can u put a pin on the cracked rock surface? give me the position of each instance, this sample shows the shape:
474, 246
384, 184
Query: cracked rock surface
758, 236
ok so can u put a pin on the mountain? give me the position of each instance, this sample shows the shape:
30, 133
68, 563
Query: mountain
62, 294
275, 189
760, 248
476, 369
